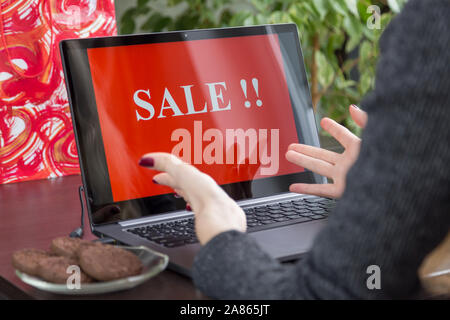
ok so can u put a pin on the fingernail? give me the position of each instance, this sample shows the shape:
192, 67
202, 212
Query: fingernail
154, 181
176, 195
354, 106
188, 208
146, 162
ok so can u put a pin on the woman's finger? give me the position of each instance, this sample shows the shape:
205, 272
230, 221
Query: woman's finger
180, 193
359, 116
197, 186
165, 162
318, 153
339, 132
165, 179
321, 190
318, 166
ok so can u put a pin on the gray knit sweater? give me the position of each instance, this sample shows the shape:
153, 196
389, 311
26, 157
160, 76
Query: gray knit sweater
396, 207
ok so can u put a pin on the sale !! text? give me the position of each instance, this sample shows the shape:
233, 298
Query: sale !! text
229, 146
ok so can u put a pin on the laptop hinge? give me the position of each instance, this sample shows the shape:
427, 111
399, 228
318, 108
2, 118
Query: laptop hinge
185, 214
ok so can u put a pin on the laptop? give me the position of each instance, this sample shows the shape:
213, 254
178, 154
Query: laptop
229, 101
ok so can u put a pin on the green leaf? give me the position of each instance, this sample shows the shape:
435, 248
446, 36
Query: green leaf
142, 10
365, 50
322, 8
127, 27
334, 19
365, 55
127, 24
141, 3
296, 19
365, 82
370, 34
156, 23
351, 5
348, 83
239, 18
339, 6
325, 70
353, 28
310, 10
362, 6
186, 22
394, 5
335, 42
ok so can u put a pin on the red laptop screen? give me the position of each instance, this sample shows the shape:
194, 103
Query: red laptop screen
222, 105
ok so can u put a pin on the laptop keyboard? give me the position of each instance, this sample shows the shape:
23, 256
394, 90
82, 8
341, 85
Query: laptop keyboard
181, 232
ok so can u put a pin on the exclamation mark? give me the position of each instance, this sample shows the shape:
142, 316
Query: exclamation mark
255, 86
244, 89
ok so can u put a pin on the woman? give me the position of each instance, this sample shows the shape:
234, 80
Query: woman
396, 205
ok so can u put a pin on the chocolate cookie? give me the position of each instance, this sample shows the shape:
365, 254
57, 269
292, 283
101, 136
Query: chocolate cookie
54, 269
26, 260
106, 262
66, 247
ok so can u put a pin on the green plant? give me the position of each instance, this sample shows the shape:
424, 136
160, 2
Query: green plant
340, 50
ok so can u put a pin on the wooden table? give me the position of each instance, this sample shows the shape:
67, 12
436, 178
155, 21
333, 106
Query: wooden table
33, 213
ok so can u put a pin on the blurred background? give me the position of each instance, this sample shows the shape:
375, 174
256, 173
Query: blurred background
339, 40
339, 37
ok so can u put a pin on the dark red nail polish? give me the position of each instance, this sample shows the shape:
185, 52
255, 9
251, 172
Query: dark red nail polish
154, 181
188, 208
146, 162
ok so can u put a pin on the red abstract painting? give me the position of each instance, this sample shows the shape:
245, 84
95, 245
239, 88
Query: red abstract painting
36, 136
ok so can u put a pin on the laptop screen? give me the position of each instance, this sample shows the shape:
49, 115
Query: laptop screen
228, 101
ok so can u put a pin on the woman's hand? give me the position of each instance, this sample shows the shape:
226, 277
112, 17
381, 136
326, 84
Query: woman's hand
327, 163
215, 212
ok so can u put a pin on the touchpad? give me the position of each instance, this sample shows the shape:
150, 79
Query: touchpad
287, 243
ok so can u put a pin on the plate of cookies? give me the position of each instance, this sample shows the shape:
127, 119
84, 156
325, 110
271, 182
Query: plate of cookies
75, 267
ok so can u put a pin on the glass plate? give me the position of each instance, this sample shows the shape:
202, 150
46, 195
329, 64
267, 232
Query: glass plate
153, 263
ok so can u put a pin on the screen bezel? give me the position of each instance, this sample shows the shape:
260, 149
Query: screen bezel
72, 45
